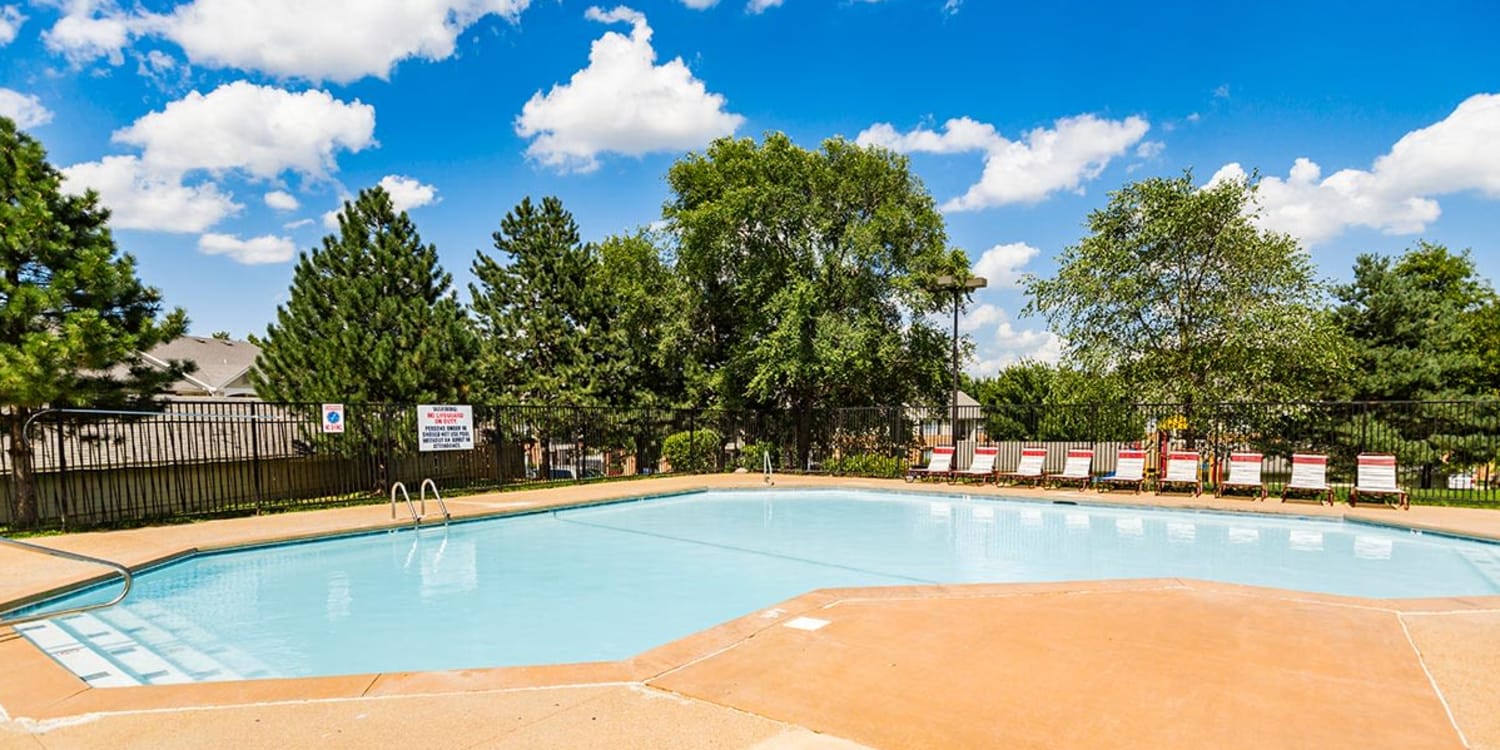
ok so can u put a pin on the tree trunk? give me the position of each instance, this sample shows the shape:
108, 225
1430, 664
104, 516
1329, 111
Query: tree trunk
25, 510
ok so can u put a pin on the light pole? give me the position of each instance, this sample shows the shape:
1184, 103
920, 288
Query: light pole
959, 287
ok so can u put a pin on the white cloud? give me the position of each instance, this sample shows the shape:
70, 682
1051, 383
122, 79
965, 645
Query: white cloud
1150, 149
622, 103
298, 224
1001, 264
330, 219
260, 129
254, 251
998, 342
761, 6
1075, 150
281, 200
139, 197
702, 4
407, 193
10, 23
1395, 196
92, 29
25, 109
335, 40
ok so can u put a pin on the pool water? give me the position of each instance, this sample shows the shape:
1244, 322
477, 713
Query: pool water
611, 581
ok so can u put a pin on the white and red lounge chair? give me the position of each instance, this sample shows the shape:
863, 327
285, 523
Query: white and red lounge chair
1030, 468
941, 465
1079, 468
1376, 475
983, 467
1182, 468
1243, 474
1309, 474
1130, 469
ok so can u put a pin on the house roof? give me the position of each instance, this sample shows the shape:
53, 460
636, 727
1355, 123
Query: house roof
220, 362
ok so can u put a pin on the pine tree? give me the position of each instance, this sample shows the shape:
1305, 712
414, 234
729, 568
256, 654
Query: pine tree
371, 318
74, 318
537, 314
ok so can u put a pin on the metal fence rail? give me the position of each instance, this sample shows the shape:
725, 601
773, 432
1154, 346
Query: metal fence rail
219, 457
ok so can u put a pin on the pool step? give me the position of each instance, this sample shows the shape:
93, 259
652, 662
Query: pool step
140, 644
81, 659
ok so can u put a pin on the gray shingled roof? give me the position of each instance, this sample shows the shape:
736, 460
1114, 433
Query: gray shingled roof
219, 362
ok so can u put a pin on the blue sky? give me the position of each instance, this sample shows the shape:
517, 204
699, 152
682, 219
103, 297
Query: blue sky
222, 131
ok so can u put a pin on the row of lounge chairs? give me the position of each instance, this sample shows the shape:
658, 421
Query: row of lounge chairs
1376, 473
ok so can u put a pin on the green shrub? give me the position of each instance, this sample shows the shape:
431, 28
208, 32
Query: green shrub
866, 465
692, 451
753, 457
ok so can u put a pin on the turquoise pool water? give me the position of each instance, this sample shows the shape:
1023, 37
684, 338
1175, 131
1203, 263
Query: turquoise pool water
611, 581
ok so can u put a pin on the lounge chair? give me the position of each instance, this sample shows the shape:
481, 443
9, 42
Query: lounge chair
1243, 474
1030, 468
1309, 474
1182, 468
1130, 469
1377, 476
941, 465
983, 467
1078, 468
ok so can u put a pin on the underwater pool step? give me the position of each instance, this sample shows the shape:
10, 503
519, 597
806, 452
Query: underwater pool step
80, 658
137, 659
196, 663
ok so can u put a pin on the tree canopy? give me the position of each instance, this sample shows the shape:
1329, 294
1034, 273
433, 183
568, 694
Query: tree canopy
371, 318
539, 315
75, 318
1177, 292
1423, 326
804, 274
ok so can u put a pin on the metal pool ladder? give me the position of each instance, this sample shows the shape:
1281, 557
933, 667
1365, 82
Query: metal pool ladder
121, 569
416, 518
767, 456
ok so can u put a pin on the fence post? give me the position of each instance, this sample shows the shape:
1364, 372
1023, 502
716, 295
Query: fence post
62, 476
255, 453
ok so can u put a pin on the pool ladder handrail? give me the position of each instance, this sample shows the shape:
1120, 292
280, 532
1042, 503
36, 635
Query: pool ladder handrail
121, 569
766, 455
416, 518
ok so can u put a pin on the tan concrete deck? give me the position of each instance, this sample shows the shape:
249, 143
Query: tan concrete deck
1131, 664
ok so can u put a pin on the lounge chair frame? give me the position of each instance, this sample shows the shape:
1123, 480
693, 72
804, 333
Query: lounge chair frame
933, 469
1247, 462
990, 453
1372, 470
1176, 475
1131, 457
1077, 457
1308, 461
1033, 456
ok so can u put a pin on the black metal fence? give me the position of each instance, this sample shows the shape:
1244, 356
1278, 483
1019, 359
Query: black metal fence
205, 458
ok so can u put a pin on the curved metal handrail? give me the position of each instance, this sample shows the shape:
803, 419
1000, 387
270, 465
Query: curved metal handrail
428, 481
416, 520
123, 571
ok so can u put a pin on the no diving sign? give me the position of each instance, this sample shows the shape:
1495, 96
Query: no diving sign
333, 418
445, 428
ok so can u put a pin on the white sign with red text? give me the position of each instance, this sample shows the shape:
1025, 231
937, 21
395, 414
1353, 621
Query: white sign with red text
445, 427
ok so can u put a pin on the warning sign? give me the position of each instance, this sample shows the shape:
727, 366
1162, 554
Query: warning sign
445, 428
333, 418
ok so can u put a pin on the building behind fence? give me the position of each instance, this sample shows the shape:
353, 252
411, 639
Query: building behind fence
205, 458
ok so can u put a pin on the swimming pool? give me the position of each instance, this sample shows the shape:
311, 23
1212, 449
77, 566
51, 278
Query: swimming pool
610, 581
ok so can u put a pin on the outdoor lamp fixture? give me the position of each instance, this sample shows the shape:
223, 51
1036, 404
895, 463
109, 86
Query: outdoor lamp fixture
959, 287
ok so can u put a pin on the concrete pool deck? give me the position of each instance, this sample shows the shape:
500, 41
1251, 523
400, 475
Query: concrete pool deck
1131, 664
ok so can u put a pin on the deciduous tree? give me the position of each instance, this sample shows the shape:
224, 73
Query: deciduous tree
1176, 291
805, 276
